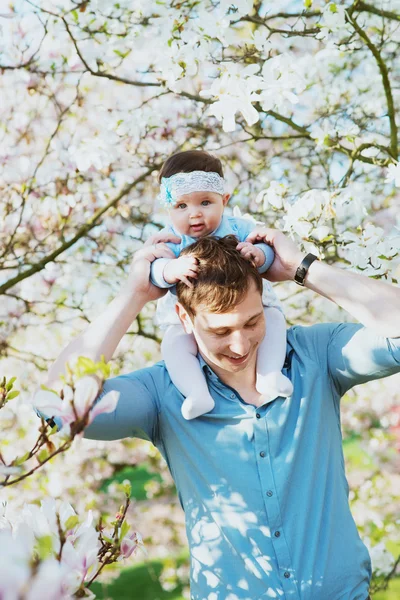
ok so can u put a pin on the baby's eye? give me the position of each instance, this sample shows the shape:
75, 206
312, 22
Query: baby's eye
206, 202
182, 205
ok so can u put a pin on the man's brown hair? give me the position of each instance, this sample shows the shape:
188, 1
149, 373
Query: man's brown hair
188, 161
224, 276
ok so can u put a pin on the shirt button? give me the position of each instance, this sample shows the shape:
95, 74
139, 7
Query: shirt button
233, 396
270, 493
286, 574
262, 454
258, 415
277, 533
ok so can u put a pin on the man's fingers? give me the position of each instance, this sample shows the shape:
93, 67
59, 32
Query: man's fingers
161, 250
266, 234
158, 238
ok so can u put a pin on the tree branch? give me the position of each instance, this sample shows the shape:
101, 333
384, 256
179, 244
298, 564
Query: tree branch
364, 7
101, 73
385, 80
93, 222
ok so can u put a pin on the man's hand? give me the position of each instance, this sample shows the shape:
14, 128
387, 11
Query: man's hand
180, 269
251, 253
287, 255
139, 275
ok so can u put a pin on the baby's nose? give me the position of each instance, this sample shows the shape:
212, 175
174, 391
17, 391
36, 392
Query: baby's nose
195, 211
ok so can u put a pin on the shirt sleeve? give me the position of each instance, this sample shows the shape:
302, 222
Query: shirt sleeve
349, 352
269, 255
137, 411
157, 273
157, 266
357, 354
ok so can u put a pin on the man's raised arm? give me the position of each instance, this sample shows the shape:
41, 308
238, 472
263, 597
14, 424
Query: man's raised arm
104, 334
373, 303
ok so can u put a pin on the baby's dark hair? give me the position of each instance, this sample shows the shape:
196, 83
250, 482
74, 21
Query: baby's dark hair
191, 160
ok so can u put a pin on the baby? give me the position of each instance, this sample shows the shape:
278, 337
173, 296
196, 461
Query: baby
193, 189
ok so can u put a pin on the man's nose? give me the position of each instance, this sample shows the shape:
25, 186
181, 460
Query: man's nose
239, 343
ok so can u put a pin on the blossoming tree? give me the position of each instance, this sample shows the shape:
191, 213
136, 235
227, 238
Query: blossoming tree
300, 101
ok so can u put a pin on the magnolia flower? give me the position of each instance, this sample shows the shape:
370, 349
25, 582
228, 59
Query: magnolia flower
235, 91
47, 583
393, 174
321, 132
75, 406
92, 152
333, 21
81, 556
382, 560
130, 543
280, 82
15, 556
272, 196
261, 42
321, 232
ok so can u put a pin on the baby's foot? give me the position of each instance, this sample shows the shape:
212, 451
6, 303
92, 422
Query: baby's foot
273, 385
193, 406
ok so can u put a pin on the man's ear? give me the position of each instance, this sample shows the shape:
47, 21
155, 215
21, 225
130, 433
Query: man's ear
225, 199
184, 318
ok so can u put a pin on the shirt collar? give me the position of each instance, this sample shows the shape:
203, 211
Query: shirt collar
206, 369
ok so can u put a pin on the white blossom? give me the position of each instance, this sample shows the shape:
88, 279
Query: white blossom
393, 174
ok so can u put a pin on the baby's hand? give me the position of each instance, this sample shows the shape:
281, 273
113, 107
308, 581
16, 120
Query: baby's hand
179, 269
251, 253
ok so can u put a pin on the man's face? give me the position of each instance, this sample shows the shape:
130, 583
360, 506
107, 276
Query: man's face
229, 341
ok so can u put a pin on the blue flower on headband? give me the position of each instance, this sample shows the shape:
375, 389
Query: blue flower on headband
167, 191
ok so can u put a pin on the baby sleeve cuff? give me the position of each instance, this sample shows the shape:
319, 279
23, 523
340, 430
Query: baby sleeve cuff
269, 257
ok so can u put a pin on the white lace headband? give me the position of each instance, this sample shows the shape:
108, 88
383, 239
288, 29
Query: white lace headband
185, 183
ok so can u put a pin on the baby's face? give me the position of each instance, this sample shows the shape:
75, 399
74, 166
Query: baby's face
199, 213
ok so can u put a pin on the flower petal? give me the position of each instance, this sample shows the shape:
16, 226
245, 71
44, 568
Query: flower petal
106, 405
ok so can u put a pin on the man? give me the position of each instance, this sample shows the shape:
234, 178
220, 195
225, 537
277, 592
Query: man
262, 485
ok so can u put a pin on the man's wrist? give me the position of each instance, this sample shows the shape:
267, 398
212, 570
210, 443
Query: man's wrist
303, 268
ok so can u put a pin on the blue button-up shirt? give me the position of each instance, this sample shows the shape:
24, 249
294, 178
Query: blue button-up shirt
264, 488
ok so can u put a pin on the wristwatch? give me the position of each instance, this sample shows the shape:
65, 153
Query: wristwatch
302, 270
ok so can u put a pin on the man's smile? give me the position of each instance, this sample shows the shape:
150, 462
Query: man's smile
237, 360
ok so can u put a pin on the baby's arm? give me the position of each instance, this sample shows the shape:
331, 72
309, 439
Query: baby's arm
179, 351
166, 272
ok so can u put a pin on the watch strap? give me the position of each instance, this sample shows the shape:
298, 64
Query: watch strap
302, 270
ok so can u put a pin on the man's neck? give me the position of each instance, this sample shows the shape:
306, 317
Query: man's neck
242, 381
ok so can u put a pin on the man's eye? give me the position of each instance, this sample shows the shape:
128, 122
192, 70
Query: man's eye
251, 324
221, 333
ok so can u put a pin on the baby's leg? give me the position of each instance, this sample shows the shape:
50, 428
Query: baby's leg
179, 351
271, 382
